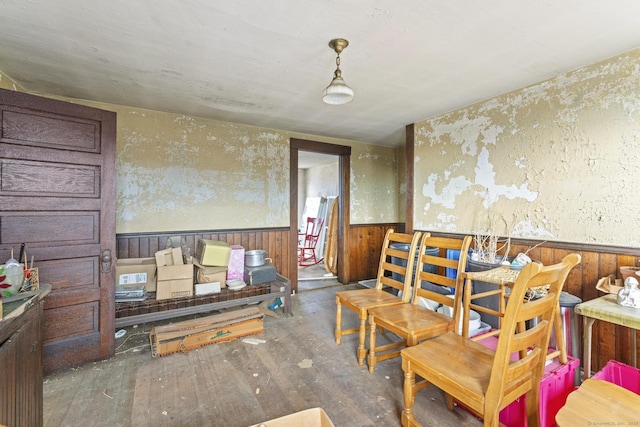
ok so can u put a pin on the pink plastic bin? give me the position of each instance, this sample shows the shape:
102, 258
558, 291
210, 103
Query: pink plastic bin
620, 374
557, 382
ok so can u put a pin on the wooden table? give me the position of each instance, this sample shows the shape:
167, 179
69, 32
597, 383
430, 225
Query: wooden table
599, 403
607, 309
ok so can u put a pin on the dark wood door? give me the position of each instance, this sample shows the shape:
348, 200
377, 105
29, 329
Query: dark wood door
57, 195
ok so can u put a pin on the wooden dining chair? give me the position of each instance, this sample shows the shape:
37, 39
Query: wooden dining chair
392, 275
483, 380
416, 322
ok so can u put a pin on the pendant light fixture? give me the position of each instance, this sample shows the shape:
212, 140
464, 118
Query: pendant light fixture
338, 93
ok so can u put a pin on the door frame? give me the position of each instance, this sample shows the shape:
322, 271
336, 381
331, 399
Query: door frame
344, 170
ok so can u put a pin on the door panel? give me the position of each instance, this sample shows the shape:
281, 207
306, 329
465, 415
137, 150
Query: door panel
44, 179
42, 128
57, 195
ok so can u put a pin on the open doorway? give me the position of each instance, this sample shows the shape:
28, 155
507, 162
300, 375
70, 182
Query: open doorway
304, 153
318, 182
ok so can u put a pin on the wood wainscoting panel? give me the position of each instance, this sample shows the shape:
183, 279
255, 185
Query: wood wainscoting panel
365, 241
365, 244
275, 241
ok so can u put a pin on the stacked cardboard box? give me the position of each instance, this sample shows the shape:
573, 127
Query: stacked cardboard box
212, 261
136, 271
213, 253
209, 279
175, 278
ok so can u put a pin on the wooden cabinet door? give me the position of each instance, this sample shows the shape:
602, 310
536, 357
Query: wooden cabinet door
57, 195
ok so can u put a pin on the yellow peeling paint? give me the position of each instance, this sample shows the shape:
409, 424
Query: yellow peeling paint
176, 172
374, 179
554, 161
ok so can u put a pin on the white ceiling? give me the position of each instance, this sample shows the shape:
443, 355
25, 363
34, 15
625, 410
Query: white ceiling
266, 63
309, 159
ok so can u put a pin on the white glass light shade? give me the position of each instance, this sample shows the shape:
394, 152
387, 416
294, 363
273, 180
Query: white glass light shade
337, 93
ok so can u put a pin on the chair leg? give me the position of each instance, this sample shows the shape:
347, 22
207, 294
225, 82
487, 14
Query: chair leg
372, 346
557, 328
450, 401
362, 351
338, 321
532, 404
409, 399
492, 419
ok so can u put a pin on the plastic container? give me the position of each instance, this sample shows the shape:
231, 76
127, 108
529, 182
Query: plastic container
569, 325
399, 261
492, 302
557, 382
620, 374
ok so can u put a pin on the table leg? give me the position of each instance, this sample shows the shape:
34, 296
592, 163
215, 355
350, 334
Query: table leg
586, 363
468, 286
338, 321
634, 348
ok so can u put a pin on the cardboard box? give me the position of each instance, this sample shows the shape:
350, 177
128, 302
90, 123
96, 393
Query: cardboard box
171, 256
206, 274
191, 334
609, 284
136, 271
174, 289
175, 279
213, 253
314, 417
235, 270
207, 288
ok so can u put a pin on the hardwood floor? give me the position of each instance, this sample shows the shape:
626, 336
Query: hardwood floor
231, 384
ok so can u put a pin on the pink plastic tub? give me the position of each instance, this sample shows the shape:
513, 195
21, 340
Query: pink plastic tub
557, 382
620, 374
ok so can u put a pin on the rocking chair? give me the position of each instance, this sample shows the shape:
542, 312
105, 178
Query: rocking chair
307, 242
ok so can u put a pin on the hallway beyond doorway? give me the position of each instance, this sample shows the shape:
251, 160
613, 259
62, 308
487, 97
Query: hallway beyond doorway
315, 277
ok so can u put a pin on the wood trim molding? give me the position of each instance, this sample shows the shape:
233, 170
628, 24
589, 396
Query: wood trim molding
409, 158
344, 153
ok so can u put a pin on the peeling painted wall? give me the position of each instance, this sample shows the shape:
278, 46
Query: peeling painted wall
554, 161
177, 172
185, 173
374, 182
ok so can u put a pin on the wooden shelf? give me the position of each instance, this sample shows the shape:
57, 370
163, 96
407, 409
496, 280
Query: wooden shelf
132, 313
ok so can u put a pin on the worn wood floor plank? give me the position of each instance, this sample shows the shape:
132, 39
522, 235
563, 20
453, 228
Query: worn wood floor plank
236, 384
